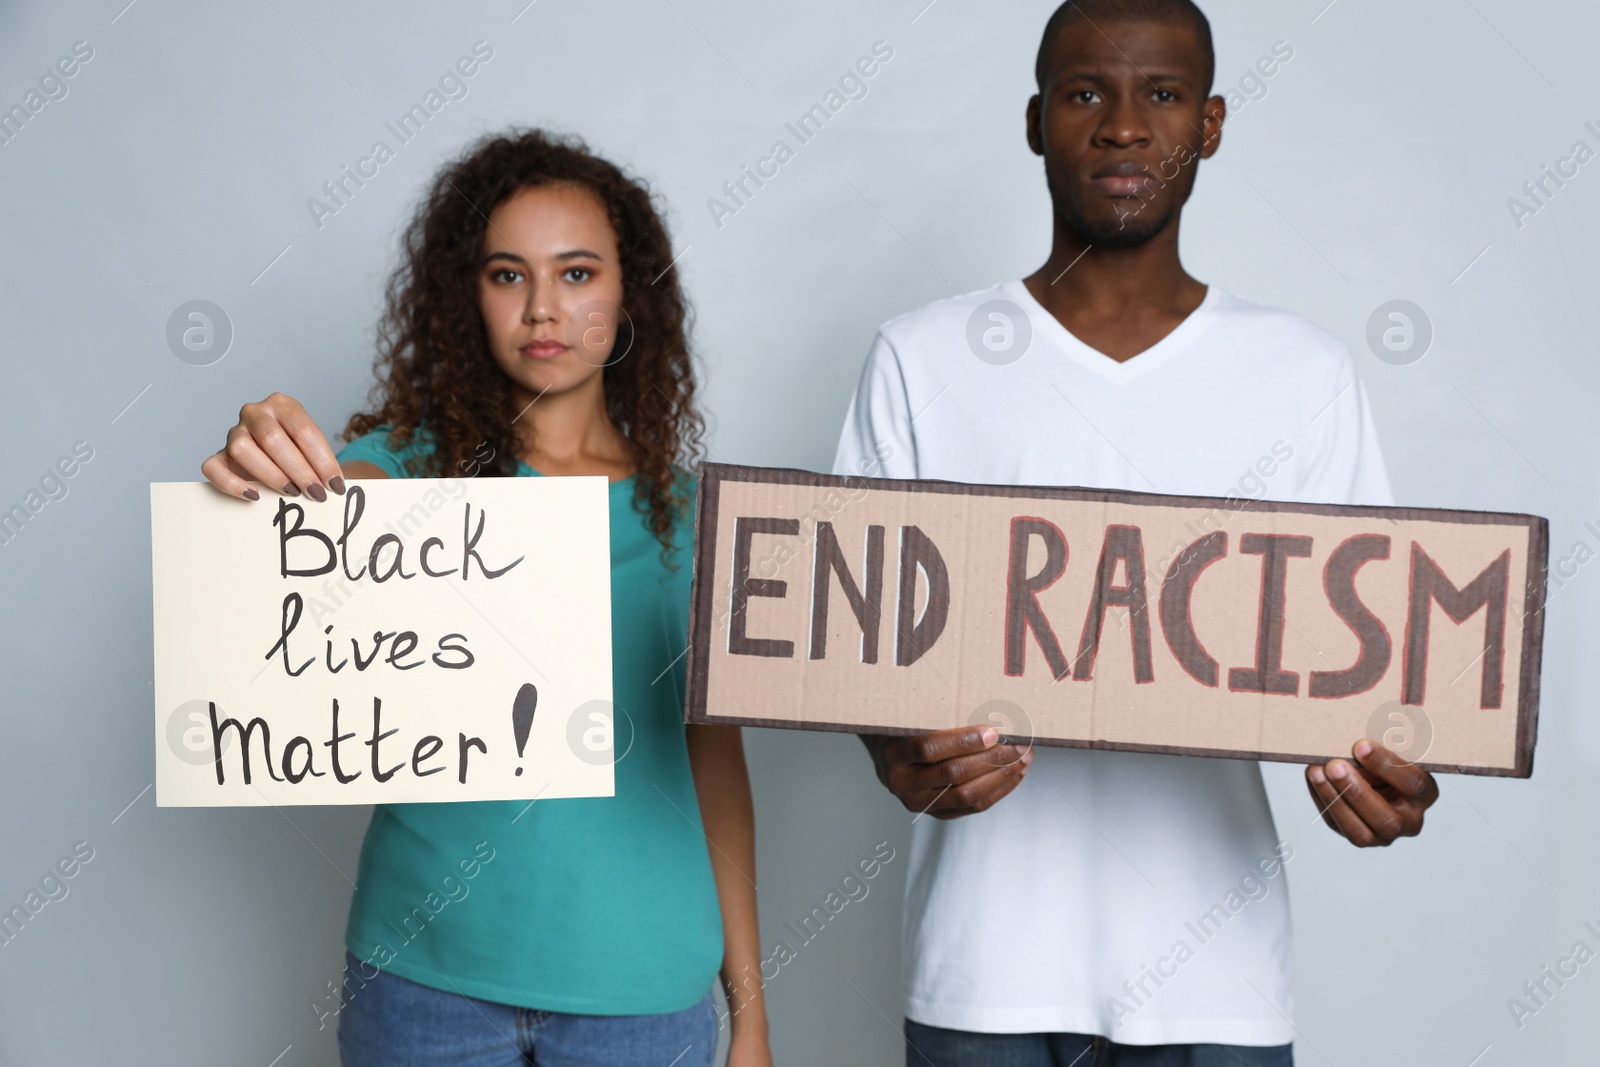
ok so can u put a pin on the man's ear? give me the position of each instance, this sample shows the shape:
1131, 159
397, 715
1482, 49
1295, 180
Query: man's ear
1215, 112
1035, 115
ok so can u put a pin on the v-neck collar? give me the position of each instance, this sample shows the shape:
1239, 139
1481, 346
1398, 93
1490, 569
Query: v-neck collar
1092, 359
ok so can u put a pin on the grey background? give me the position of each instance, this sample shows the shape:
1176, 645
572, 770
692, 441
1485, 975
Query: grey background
1376, 167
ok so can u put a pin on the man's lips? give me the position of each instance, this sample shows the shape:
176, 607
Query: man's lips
1120, 187
1121, 179
543, 349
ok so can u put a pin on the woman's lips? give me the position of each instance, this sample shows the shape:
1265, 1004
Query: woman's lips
543, 349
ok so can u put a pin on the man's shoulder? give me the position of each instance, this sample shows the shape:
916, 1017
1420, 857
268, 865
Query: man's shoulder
937, 319
1277, 332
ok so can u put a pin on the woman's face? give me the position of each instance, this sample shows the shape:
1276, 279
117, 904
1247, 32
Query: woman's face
550, 289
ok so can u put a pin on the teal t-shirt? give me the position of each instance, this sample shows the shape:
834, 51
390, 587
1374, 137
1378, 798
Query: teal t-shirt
595, 906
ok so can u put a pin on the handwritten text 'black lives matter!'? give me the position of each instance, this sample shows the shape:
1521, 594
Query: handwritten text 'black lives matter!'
403, 645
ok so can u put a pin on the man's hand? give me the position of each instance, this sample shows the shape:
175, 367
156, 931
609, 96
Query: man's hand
949, 773
1376, 799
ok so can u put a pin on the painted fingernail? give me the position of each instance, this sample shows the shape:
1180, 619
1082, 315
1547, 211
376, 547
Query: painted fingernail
990, 736
250, 493
316, 492
336, 483
290, 489
1363, 749
1336, 770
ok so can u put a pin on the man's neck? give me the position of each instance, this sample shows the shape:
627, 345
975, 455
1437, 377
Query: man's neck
1119, 301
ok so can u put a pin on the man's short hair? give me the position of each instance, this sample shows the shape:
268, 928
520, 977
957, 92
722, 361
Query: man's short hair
1094, 11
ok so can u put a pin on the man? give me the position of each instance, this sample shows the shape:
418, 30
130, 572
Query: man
1119, 908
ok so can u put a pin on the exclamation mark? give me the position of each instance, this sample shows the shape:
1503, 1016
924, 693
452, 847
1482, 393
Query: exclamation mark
522, 716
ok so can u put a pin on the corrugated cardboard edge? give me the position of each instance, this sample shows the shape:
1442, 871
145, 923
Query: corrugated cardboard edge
1532, 642
712, 475
708, 496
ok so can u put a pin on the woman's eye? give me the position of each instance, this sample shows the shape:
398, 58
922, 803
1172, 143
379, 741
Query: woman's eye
578, 274
505, 276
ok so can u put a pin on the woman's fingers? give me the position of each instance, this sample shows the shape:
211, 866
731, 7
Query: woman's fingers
313, 445
221, 474
245, 457
279, 445
264, 423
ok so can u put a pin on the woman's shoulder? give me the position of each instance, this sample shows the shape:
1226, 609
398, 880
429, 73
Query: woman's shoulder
388, 449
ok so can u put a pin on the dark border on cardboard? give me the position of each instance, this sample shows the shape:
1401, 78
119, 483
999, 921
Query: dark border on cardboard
709, 496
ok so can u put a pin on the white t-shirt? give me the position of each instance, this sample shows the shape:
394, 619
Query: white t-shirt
1139, 897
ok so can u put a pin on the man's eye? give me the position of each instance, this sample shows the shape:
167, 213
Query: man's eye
1086, 96
1166, 96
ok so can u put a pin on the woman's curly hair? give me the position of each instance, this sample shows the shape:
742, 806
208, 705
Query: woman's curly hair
436, 374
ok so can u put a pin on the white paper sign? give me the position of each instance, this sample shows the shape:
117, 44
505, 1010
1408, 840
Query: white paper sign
414, 640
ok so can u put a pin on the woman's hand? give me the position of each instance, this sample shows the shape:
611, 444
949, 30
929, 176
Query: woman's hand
276, 443
722, 785
748, 1047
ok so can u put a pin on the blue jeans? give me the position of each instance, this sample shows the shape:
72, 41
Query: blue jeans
390, 1021
932, 1046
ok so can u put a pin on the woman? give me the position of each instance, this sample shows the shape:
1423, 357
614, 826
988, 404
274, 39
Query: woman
535, 329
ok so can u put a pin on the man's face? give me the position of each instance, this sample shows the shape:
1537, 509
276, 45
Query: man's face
1122, 123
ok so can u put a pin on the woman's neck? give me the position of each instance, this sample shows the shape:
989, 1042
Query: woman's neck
570, 433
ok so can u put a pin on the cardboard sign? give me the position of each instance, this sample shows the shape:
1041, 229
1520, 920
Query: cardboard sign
417, 639
1136, 621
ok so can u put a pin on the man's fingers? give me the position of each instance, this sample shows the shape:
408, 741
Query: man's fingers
940, 745
1356, 831
964, 769
919, 783
949, 773
1371, 806
1374, 798
1313, 775
1345, 821
982, 792
1407, 778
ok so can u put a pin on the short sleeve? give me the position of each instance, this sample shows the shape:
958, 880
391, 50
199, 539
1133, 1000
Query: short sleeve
877, 441
375, 448
1346, 464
